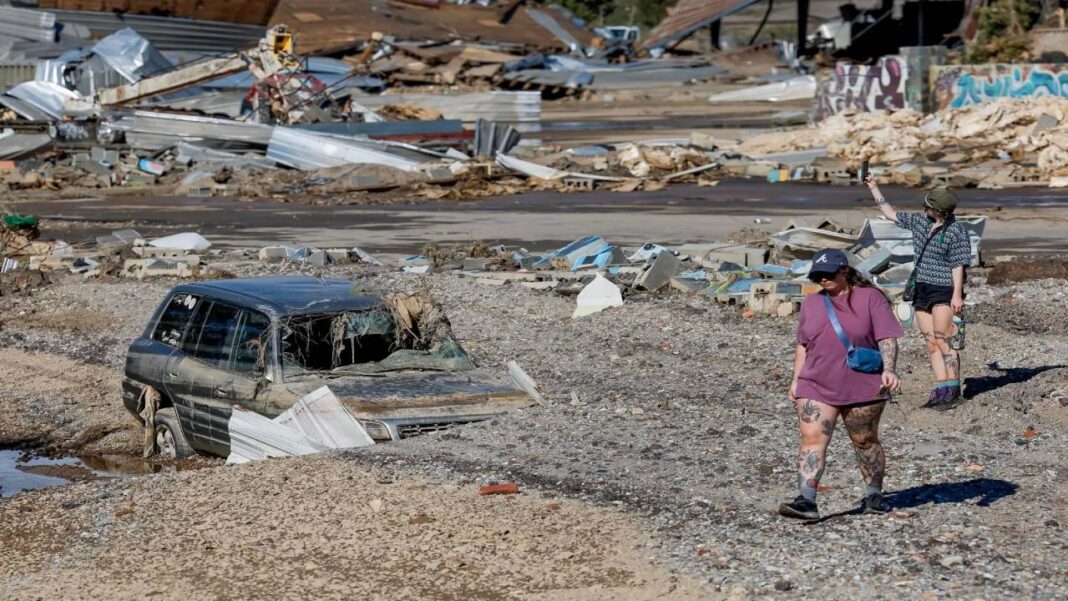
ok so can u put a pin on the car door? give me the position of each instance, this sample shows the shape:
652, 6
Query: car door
242, 379
203, 407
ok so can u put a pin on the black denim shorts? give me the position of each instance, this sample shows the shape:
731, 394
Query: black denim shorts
929, 295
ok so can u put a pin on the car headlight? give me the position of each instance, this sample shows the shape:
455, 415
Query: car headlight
376, 430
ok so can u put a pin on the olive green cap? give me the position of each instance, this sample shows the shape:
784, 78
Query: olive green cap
941, 200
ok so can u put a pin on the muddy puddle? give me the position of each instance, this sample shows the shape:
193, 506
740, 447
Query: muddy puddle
21, 471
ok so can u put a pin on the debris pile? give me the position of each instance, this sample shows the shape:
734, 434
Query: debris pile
122, 253
999, 144
766, 278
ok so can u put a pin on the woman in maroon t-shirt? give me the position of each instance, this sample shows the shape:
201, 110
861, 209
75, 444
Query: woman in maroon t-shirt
824, 386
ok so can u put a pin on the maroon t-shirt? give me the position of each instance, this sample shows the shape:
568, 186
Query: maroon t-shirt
866, 318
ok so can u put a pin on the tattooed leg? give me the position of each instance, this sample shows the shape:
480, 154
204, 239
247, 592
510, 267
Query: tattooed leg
816, 421
862, 424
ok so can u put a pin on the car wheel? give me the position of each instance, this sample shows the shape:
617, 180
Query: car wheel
170, 441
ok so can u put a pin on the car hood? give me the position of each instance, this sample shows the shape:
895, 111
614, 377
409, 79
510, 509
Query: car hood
420, 394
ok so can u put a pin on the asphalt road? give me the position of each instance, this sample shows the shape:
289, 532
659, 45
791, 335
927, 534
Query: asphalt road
1024, 220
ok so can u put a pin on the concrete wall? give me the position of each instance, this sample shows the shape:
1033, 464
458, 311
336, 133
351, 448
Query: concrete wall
964, 85
864, 88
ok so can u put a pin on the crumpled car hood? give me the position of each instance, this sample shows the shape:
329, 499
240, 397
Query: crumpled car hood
418, 394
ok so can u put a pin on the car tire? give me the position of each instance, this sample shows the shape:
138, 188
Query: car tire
170, 441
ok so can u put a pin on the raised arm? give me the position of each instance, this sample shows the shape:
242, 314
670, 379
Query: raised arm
880, 200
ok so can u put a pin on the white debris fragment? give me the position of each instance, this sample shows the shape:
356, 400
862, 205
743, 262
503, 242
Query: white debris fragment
315, 423
598, 295
525, 383
183, 241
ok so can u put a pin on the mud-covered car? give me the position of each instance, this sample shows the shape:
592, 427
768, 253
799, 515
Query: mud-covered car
264, 343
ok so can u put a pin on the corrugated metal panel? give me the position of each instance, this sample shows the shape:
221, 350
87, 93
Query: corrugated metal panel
131, 55
688, 17
27, 24
169, 33
308, 151
15, 72
13, 145
552, 26
207, 102
502, 107
155, 131
255, 12
44, 96
23, 109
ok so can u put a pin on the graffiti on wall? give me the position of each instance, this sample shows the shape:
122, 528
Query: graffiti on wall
863, 88
958, 86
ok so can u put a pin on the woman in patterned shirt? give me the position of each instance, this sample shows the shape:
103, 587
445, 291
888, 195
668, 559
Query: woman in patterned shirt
942, 248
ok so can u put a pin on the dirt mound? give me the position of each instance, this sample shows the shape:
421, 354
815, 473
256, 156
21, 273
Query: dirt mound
1022, 271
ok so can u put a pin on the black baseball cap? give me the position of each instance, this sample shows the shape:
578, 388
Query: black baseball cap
828, 260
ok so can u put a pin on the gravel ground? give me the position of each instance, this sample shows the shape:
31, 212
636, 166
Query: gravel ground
669, 411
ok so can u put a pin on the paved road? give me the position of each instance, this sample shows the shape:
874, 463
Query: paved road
1032, 220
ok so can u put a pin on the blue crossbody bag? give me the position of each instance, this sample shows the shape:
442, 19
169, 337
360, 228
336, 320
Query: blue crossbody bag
858, 358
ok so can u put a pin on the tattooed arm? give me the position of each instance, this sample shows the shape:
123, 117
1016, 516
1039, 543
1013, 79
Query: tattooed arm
888, 349
799, 362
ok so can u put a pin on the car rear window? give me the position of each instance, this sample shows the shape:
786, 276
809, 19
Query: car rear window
175, 318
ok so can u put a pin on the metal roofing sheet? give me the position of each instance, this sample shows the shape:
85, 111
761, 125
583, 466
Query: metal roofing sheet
131, 55
24, 109
168, 33
44, 96
146, 129
689, 16
15, 145
308, 151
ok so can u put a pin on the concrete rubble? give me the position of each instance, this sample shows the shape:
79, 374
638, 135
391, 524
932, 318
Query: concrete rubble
122, 253
767, 278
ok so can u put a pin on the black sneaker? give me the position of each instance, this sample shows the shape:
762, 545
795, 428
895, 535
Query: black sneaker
800, 508
874, 503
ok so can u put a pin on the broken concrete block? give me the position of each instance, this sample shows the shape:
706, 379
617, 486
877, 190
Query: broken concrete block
338, 255
273, 254
597, 296
470, 264
873, 259
659, 273
365, 257
319, 258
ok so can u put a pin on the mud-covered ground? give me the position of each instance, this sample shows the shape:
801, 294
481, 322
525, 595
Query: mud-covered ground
666, 443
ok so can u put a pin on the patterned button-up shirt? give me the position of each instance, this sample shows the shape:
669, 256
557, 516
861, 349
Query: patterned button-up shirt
950, 247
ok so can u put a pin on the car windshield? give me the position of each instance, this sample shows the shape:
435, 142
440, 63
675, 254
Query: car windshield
365, 342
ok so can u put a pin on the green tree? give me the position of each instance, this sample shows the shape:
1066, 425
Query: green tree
1002, 35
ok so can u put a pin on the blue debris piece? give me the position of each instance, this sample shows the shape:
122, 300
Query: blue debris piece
728, 266
773, 270
743, 284
600, 259
801, 267
589, 245
700, 274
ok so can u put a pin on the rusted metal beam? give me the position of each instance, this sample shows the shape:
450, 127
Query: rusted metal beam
172, 81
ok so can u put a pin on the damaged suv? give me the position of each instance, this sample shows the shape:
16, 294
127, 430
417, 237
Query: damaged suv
264, 343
